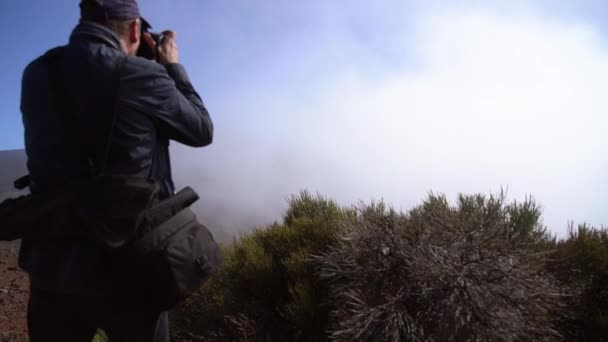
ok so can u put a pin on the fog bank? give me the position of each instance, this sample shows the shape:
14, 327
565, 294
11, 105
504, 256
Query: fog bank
481, 100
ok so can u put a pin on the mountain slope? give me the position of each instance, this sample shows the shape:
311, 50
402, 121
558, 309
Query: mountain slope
12, 166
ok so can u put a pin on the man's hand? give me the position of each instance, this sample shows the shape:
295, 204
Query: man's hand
167, 52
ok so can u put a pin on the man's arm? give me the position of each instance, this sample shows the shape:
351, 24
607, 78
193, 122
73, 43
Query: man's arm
190, 124
165, 91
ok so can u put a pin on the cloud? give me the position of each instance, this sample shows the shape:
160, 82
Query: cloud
457, 100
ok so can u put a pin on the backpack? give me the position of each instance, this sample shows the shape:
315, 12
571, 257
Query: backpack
161, 250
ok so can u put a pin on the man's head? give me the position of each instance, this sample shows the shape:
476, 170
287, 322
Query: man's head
121, 16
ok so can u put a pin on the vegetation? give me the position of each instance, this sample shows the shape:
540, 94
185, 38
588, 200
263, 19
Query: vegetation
581, 261
100, 336
266, 288
441, 273
478, 270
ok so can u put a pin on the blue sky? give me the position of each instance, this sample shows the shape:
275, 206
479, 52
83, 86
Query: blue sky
373, 99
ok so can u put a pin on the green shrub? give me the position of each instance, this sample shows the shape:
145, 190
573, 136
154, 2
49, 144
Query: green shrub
100, 336
581, 261
465, 272
266, 288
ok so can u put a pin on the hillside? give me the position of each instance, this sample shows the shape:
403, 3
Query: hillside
12, 166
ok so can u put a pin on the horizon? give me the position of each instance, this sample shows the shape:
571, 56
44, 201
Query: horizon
385, 100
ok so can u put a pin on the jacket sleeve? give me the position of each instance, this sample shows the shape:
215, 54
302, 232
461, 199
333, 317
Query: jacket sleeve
167, 94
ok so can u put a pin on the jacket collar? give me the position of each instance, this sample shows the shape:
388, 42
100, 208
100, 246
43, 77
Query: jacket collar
92, 31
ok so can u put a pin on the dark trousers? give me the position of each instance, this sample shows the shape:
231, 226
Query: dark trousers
60, 317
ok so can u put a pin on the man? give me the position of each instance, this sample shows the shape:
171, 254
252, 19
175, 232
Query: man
68, 121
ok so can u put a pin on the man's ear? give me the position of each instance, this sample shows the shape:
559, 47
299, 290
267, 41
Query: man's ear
134, 31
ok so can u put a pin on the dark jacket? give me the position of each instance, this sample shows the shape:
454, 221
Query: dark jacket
153, 103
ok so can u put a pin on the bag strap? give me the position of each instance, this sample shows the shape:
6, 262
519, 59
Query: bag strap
118, 67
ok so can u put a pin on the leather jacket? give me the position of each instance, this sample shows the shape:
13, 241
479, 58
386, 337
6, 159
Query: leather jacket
153, 105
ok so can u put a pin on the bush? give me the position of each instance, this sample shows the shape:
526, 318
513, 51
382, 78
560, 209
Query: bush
266, 288
100, 336
471, 271
581, 261
442, 273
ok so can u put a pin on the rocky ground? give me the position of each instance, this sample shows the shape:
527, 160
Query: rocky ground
13, 295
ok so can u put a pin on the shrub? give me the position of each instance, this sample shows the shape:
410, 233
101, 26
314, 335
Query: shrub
100, 336
468, 272
581, 261
266, 288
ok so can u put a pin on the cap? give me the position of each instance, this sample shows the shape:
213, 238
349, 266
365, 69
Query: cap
101, 10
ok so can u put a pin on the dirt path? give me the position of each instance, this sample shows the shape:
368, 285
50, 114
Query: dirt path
13, 295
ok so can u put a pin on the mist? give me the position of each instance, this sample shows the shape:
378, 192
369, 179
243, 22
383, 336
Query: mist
451, 100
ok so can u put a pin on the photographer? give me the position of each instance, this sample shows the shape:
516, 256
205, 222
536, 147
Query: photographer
97, 105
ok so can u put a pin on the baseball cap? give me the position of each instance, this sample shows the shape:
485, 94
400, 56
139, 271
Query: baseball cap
100, 10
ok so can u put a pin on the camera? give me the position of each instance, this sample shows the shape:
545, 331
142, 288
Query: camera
145, 50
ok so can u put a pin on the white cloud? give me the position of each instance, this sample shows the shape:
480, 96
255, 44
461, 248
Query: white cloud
496, 99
